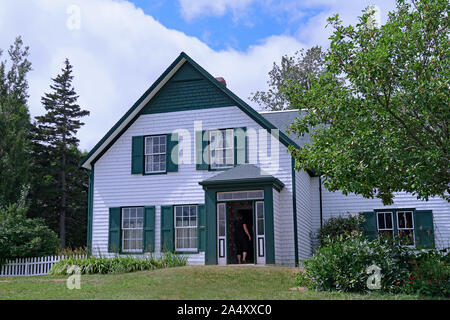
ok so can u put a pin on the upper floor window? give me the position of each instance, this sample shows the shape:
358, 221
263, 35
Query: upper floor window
155, 154
221, 148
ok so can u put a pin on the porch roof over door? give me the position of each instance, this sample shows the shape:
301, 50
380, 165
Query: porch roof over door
242, 175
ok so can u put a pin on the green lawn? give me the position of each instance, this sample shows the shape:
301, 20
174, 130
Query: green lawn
206, 282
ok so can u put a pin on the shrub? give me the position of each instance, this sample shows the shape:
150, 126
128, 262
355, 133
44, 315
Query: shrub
429, 275
342, 262
22, 237
335, 227
94, 265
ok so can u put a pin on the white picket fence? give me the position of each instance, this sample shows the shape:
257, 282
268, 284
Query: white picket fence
32, 266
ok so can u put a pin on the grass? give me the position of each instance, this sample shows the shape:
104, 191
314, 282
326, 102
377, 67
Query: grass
191, 283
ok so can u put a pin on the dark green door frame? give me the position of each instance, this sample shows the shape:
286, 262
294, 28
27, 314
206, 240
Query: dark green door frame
211, 217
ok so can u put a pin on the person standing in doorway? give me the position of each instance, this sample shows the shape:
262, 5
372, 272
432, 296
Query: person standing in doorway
241, 235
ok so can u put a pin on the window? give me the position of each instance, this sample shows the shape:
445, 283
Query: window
155, 154
240, 195
132, 226
186, 228
221, 148
405, 227
385, 225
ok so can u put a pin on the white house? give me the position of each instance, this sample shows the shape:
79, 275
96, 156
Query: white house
177, 168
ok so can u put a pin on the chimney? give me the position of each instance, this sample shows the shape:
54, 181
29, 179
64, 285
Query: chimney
222, 81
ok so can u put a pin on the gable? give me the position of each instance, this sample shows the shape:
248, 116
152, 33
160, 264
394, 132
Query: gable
188, 89
192, 88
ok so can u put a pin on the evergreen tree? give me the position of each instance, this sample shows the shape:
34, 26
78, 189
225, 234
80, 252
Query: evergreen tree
57, 154
15, 126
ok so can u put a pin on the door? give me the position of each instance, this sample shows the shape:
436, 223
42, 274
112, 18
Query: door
260, 234
221, 234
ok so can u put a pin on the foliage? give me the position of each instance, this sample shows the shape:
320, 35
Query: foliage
335, 227
429, 276
22, 237
63, 191
94, 265
378, 116
15, 124
297, 68
341, 265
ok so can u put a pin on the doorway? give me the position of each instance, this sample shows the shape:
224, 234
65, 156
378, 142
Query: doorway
245, 209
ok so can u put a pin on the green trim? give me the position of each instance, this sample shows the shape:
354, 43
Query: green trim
269, 225
240, 103
258, 182
211, 221
294, 206
90, 209
125, 116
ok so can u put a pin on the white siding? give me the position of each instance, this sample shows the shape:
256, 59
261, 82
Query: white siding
335, 204
304, 214
115, 186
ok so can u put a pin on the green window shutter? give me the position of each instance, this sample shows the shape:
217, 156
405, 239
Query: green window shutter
202, 150
424, 229
172, 152
201, 216
149, 229
137, 155
114, 230
167, 228
240, 146
370, 225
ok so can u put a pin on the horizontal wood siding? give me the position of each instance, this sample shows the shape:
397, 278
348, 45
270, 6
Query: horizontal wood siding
116, 187
304, 214
335, 204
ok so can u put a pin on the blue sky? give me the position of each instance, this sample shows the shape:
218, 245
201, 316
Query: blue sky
236, 30
118, 48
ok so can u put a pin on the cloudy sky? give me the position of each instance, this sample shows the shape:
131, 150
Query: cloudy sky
118, 48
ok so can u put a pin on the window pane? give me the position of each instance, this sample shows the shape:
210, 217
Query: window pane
388, 220
401, 220
406, 237
409, 222
260, 227
381, 221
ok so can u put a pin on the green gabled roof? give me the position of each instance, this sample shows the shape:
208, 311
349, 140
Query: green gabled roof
188, 79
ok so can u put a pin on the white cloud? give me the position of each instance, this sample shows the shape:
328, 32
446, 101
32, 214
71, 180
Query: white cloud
193, 9
119, 51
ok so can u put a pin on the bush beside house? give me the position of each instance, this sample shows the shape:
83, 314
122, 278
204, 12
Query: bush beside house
342, 262
22, 237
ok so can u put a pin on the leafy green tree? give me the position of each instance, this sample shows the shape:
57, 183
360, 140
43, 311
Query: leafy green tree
379, 115
22, 237
298, 68
15, 124
64, 186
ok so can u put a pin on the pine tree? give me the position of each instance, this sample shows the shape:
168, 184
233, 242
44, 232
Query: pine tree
15, 125
57, 144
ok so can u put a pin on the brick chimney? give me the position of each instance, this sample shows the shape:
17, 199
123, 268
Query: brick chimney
222, 81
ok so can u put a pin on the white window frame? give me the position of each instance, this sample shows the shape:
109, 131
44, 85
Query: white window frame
178, 249
221, 149
152, 154
123, 229
384, 218
406, 229
240, 195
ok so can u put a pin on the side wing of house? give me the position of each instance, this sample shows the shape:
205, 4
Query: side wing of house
423, 224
